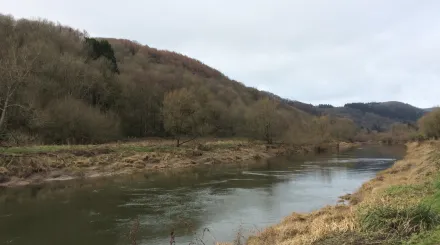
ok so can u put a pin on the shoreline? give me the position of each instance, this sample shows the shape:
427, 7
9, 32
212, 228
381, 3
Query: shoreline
22, 166
346, 222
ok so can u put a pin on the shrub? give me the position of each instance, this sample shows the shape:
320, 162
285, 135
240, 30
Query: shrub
72, 121
430, 124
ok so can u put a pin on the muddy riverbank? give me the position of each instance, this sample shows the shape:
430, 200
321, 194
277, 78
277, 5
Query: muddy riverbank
36, 164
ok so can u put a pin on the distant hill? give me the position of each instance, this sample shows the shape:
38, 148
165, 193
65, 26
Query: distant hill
375, 115
392, 109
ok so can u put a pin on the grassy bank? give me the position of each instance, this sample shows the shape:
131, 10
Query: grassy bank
34, 164
401, 205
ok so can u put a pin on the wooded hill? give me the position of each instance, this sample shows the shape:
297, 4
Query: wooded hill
58, 85
378, 116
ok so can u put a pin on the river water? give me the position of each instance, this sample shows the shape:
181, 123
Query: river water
220, 198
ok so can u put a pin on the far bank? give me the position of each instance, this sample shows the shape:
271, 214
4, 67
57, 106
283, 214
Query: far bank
37, 164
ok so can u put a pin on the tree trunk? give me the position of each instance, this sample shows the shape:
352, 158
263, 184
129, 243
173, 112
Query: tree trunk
267, 134
3, 115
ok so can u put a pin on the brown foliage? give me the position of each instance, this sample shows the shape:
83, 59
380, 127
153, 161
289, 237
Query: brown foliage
264, 119
72, 121
179, 112
53, 66
430, 124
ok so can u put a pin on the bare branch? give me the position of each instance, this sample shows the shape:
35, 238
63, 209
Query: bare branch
18, 105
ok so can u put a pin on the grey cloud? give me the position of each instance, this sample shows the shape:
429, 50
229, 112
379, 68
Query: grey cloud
315, 51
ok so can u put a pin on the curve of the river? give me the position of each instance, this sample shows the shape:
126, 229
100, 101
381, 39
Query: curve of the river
220, 198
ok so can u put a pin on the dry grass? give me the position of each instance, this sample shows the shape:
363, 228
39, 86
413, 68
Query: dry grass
392, 200
22, 165
420, 166
307, 228
31, 164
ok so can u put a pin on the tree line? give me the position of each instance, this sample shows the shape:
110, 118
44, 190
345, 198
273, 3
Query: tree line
58, 85
397, 110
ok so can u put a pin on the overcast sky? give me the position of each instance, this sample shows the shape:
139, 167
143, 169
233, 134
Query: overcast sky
315, 51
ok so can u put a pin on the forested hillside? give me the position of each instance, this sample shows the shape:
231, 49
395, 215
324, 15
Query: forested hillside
372, 116
391, 109
58, 85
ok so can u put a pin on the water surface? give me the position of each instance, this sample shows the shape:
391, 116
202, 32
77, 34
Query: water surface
220, 198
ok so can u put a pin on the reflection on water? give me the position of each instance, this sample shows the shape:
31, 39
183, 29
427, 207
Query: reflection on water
220, 198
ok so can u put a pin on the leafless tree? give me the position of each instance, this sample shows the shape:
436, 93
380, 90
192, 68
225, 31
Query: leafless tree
17, 63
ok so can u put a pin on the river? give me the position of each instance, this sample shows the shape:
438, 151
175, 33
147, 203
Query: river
220, 198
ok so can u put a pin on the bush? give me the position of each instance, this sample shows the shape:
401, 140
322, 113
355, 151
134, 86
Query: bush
418, 137
430, 124
17, 138
73, 121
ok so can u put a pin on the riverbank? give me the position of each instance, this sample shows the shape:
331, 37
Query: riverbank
401, 205
36, 164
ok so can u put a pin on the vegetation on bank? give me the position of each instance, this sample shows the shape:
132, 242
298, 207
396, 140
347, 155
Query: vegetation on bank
60, 86
427, 127
373, 116
401, 205
39, 163
61, 90
64, 96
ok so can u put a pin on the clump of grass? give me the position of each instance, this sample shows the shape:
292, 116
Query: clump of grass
431, 237
404, 195
399, 190
239, 237
402, 221
266, 237
434, 199
298, 229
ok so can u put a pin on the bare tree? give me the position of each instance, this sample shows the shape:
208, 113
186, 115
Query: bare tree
179, 112
430, 124
17, 62
342, 129
264, 119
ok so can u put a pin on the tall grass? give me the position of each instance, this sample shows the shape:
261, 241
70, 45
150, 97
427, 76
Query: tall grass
400, 221
431, 237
